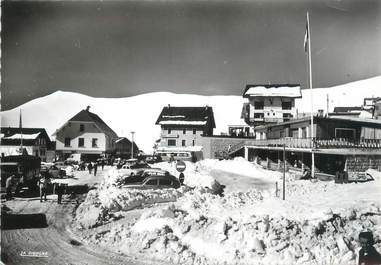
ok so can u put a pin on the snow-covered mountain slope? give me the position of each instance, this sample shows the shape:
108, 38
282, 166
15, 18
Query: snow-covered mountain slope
139, 113
123, 115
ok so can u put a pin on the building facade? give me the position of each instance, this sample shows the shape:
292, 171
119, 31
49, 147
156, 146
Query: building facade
270, 103
123, 148
184, 126
85, 133
35, 141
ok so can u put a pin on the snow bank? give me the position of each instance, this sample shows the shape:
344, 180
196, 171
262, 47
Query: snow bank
111, 197
318, 223
187, 232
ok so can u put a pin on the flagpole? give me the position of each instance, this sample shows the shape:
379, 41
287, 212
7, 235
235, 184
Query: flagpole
310, 84
20, 125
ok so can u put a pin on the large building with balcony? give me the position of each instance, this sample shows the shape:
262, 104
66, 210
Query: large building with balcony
269, 104
85, 133
184, 126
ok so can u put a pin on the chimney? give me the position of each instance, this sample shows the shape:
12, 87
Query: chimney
320, 113
87, 108
169, 105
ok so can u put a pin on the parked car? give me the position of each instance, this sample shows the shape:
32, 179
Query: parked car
60, 164
153, 180
54, 171
134, 169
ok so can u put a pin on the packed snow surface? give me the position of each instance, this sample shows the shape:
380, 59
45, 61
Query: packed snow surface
318, 223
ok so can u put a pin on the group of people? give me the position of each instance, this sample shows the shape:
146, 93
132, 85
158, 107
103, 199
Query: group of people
44, 184
93, 166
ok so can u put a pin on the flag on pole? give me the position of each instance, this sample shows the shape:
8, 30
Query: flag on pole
306, 36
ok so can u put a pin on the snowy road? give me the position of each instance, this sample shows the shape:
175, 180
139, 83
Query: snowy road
56, 241
237, 182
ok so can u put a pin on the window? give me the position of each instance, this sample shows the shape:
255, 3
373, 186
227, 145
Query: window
67, 142
152, 182
42, 152
286, 105
345, 133
94, 142
183, 142
171, 142
184, 131
304, 132
169, 131
258, 105
193, 142
287, 116
194, 131
166, 182
81, 127
81, 142
259, 115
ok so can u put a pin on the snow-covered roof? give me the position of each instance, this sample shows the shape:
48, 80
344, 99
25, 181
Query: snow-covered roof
292, 91
177, 122
186, 116
23, 136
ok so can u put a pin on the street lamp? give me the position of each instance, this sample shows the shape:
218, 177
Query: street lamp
132, 145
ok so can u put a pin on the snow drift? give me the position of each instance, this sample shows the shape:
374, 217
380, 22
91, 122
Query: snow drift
318, 223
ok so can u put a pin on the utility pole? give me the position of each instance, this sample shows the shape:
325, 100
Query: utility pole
284, 171
132, 144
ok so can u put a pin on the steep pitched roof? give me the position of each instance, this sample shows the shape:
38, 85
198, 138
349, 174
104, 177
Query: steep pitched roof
186, 116
87, 116
276, 90
125, 140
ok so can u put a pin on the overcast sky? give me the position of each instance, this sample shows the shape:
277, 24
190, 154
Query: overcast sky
118, 49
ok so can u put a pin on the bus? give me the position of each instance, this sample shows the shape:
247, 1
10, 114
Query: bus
192, 156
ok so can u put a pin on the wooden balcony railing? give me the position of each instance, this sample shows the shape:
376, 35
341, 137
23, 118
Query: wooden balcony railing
317, 143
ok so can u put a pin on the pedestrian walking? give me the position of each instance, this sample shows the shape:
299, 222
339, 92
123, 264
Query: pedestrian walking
60, 190
95, 168
8, 187
102, 164
44, 184
90, 167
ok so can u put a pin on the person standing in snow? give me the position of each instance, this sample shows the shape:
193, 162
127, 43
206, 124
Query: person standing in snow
44, 183
90, 167
181, 178
8, 187
368, 255
60, 190
95, 168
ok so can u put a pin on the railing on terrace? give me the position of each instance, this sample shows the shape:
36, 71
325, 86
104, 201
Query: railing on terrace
317, 143
344, 143
288, 142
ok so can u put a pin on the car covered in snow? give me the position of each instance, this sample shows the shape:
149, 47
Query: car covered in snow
152, 179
